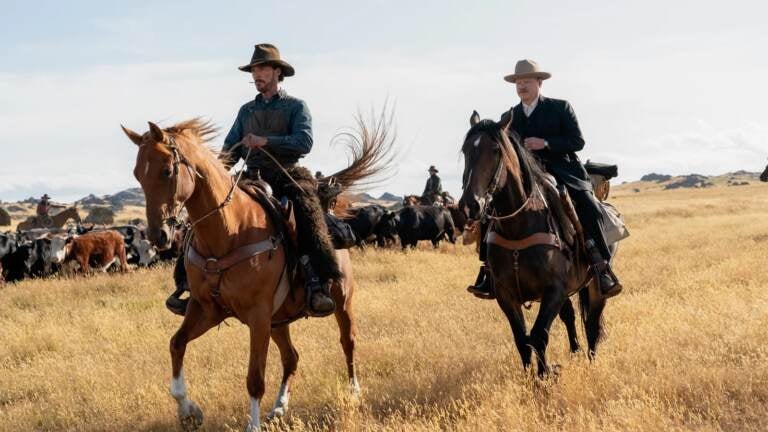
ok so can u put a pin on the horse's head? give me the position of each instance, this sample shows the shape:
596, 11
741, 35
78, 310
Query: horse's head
73, 213
488, 157
165, 184
764, 175
410, 200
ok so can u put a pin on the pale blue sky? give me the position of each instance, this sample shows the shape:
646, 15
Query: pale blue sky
666, 86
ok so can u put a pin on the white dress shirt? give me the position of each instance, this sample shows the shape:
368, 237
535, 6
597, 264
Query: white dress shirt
528, 109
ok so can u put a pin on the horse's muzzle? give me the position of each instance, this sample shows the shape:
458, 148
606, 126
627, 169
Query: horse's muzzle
161, 237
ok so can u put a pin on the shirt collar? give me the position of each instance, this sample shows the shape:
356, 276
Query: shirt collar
532, 106
279, 95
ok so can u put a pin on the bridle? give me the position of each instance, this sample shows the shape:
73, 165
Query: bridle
494, 187
174, 218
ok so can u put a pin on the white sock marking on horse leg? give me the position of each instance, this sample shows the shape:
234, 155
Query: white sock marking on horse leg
255, 423
355, 386
179, 391
281, 402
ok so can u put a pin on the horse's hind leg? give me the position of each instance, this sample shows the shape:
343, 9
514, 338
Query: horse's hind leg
568, 317
592, 304
347, 331
551, 305
290, 359
514, 314
196, 322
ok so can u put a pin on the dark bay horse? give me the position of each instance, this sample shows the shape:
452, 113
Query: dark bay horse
529, 258
175, 168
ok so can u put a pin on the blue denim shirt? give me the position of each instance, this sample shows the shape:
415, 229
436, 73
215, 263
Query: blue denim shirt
289, 146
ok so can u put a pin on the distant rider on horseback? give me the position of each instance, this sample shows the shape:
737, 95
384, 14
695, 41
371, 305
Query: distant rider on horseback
433, 189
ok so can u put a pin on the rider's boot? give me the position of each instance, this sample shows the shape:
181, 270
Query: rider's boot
607, 281
175, 303
483, 287
319, 302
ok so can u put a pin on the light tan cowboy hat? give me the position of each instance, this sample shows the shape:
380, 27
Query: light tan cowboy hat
268, 54
527, 69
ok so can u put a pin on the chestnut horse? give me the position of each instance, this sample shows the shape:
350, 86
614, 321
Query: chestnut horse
56, 221
529, 258
175, 168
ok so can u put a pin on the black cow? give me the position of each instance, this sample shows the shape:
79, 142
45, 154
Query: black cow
7, 247
425, 223
18, 264
373, 222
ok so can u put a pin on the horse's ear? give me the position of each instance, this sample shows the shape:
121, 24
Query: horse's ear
156, 133
133, 136
506, 120
474, 118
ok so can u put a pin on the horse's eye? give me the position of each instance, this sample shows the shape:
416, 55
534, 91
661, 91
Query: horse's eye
168, 172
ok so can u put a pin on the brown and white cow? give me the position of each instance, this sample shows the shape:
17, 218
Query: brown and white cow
101, 247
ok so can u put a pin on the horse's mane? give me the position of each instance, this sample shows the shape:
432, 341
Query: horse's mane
512, 149
203, 129
203, 132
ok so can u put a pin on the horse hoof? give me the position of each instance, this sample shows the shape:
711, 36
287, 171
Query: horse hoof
354, 389
190, 416
276, 413
253, 427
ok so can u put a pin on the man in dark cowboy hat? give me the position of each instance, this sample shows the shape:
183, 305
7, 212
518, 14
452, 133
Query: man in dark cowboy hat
434, 188
44, 206
282, 125
550, 130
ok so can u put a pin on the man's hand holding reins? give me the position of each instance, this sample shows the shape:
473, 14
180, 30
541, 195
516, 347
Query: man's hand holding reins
253, 142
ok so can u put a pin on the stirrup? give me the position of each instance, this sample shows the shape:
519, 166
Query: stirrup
317, 313
483, 287
177, 305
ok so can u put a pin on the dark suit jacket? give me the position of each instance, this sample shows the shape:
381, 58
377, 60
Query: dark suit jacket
555, 121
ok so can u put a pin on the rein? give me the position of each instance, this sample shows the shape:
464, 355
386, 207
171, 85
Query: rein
279, 165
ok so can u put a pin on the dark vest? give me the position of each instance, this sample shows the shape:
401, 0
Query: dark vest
269, 122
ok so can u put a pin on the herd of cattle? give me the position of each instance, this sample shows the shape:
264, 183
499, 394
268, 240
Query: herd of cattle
411, 224
46, 252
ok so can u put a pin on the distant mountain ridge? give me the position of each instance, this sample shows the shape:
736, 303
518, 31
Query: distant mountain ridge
656, 181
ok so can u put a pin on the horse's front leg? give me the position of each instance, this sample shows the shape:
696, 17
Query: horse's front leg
514, 314
290, 359
551, 304
196, 322
259, 324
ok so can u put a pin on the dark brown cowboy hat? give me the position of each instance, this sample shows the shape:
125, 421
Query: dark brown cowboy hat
268, 54
432, 168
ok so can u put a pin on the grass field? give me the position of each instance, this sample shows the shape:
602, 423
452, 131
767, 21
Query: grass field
686, 346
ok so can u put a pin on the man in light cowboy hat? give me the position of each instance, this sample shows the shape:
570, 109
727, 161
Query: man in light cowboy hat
433, 188
550, 130
282, 125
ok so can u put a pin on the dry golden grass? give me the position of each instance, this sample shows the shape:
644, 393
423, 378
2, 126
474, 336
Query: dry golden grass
685, 348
